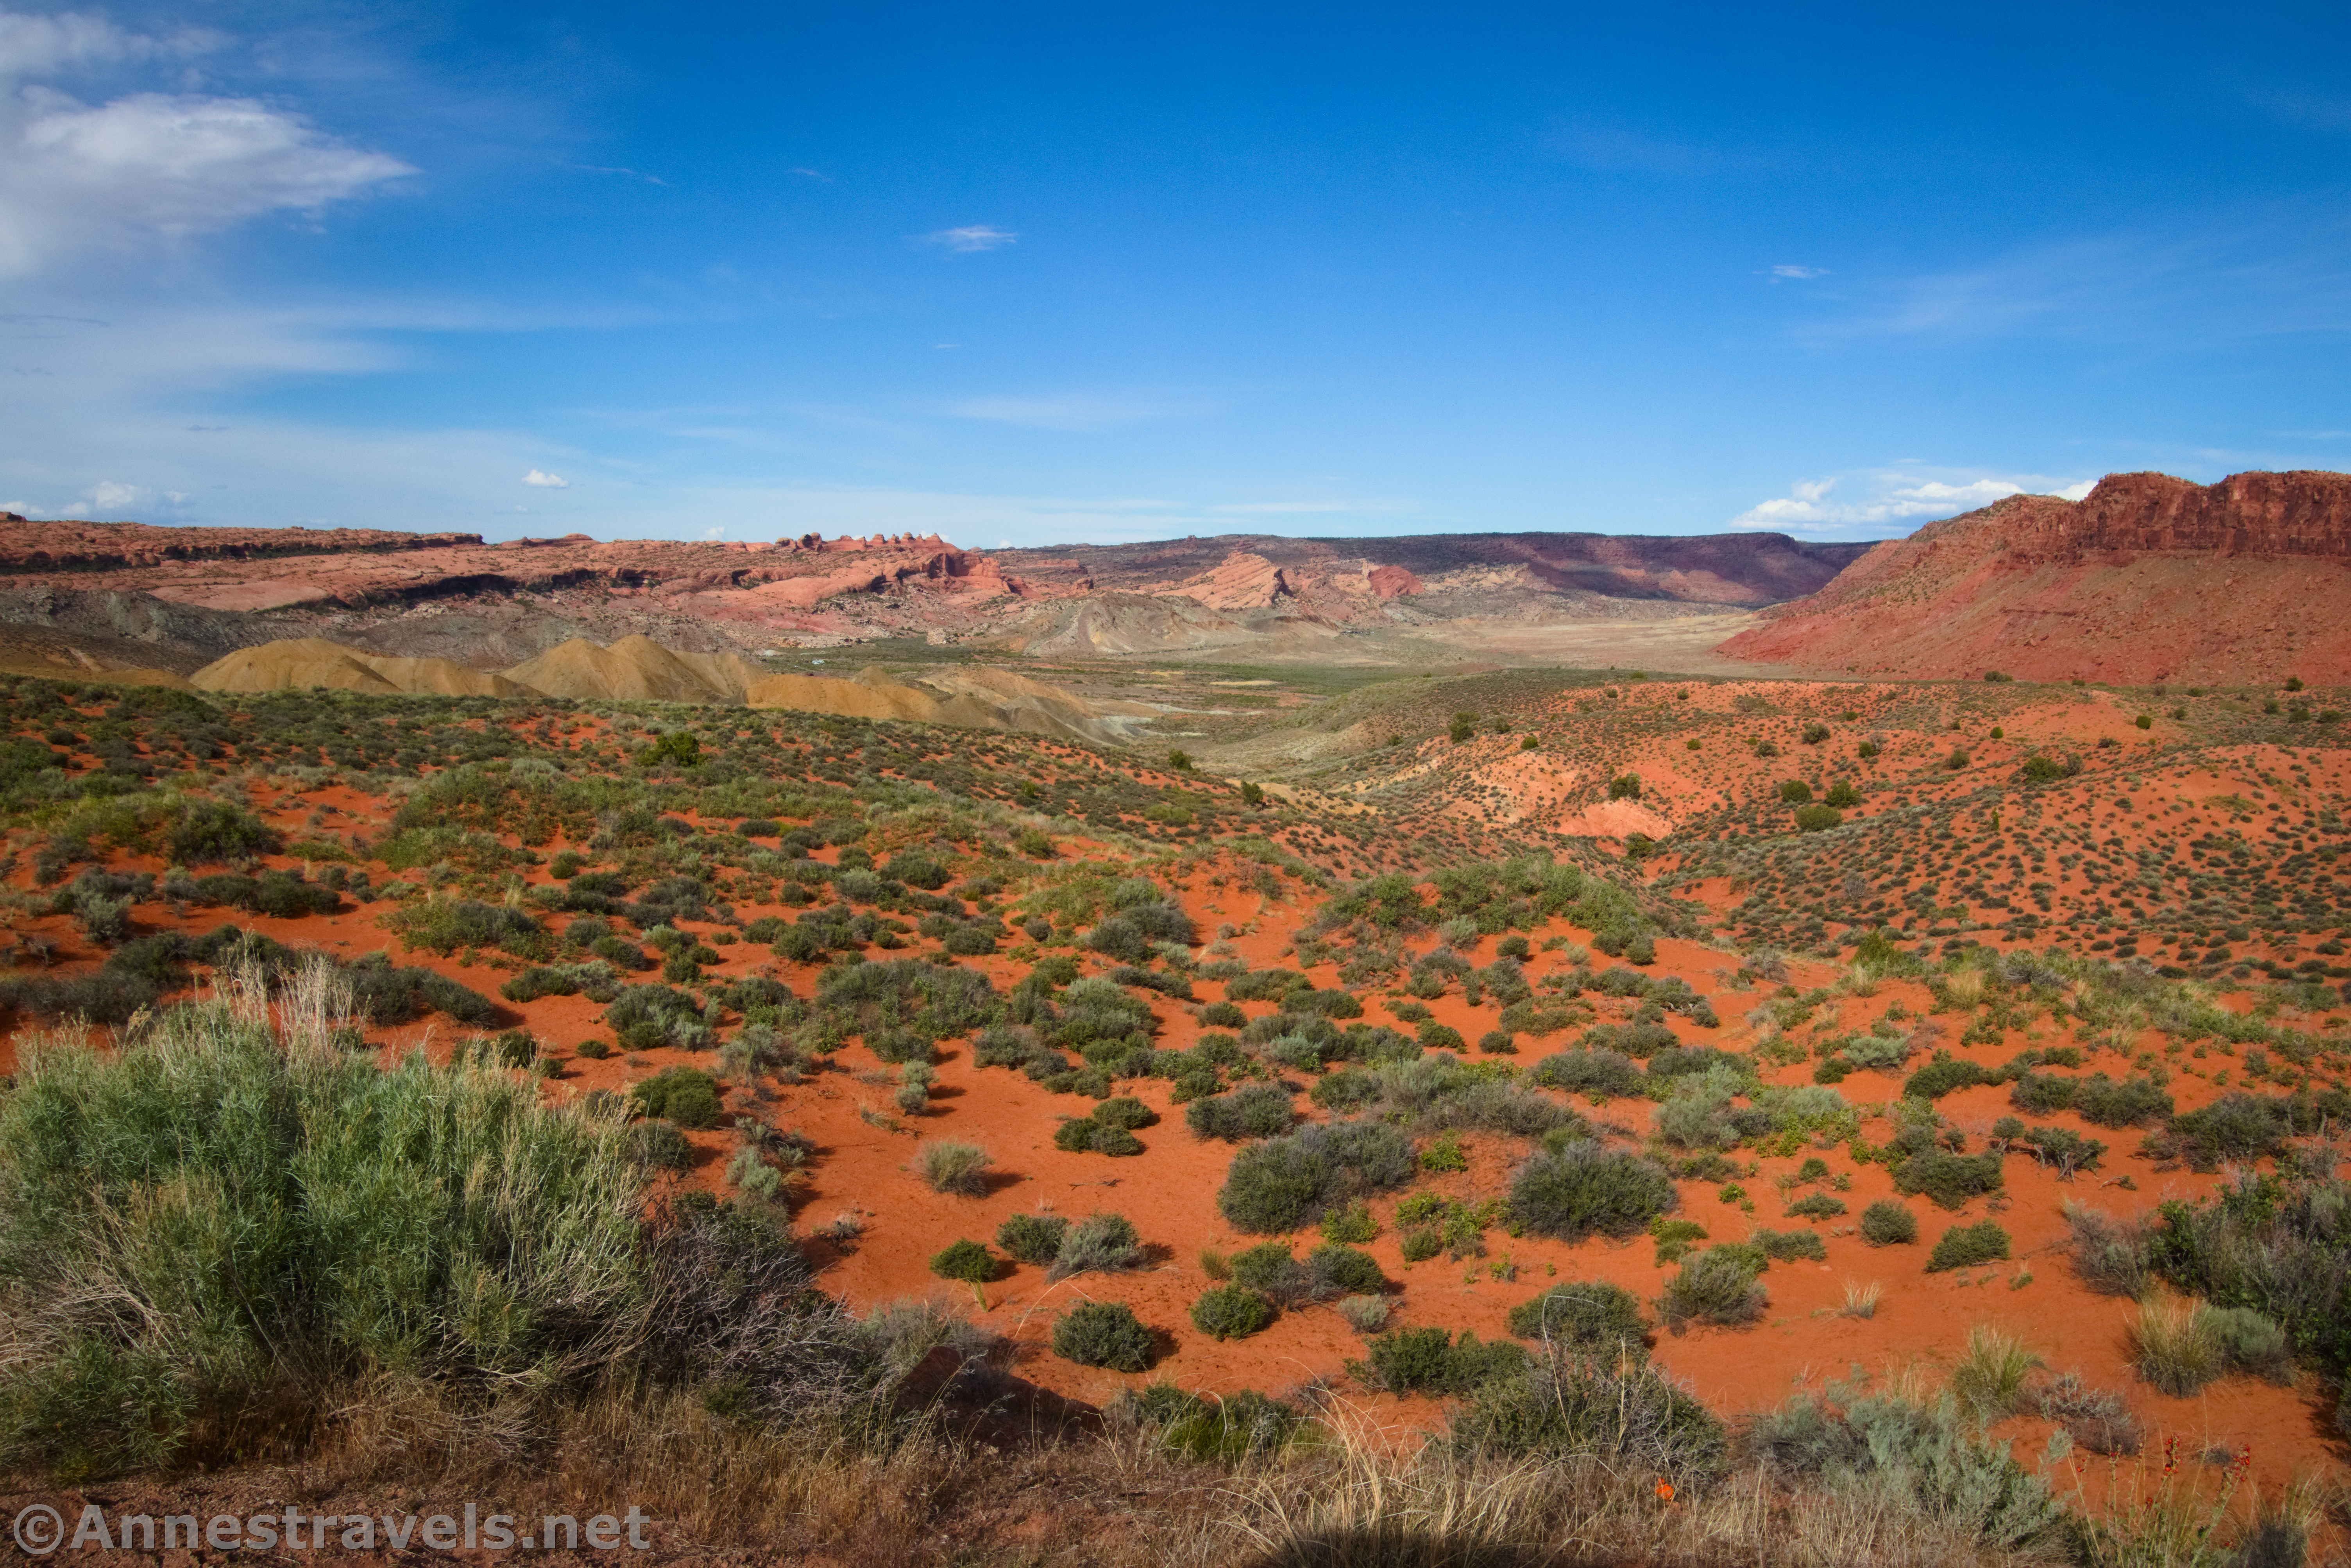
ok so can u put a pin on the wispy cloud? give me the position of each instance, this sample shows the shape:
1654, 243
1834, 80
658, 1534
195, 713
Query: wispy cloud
972, 237
615, 169
2220, 276
1620, 149
546, 481
1868, 501
1075, 411
1790, 271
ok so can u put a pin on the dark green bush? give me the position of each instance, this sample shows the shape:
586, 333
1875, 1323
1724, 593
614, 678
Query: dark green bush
1032, 1237
1965, 1246
1583, 1190
1231, 1311
1432, 1361
210, 831
1950, 1179
966, 1260
1105, 1335
1945, 1074
2041, 1093
1340, 1270
2233, 1127
1585, 1316
1603, 1072
1288, 1182
1816, 1205
684, 1095
1889, 1222
1255, 1111
2104, 1102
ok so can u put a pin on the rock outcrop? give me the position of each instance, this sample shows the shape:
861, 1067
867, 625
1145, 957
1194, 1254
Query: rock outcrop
2148, 578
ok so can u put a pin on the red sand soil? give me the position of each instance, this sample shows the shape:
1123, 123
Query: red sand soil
862, 1165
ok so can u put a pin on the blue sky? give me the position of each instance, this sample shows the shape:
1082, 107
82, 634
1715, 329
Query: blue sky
1036, 273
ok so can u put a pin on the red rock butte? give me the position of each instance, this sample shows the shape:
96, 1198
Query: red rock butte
2148, 578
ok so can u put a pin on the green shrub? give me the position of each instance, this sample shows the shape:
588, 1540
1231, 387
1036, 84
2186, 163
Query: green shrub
1787, 1246
1105, 1335
1626, 1413
1965, 1246
2233, 1127
1716, 1286
1922, 1457
684, 1095
1339, 1270
1818, 818
1032, 1237
1256, 1111
1816, 1205
1352, 1223
1291, 1181
1098, 1244
2110, 1255
1947, 1180
967, 1260
242, 1208
1583, 1316
1945, 1074
1430, 1360
1889, 1222
1583, 1190
1231, 1311
210, 831
2104, 1102
1227, 1431
1603, 1073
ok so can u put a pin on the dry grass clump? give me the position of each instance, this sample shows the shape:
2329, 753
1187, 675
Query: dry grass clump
1988, 1382
953, 1167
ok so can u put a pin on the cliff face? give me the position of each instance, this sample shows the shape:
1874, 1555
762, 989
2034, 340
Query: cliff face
1728, 570
2147, 578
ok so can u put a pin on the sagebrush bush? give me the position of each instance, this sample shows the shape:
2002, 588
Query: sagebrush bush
1256, 1111
1231, 1311
1098, 1244
1717, 1286
1586, 1315
2110, 1255
1105, 1335
1965, 1246
1583, 1189
1889, 1222
1291, 1181
1432, 1361
247, 1224
1624, 1412
954, 1167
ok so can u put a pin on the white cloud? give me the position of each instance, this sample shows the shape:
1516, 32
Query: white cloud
1878, 498
107, 495
546, 481
1790, 269
40, 46
972, 237
1074, 410
74, 175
